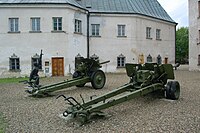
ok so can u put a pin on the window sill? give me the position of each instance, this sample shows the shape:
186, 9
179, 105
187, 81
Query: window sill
159, 39
35, 31
118, 67
58, 31
14, 32
15, 70
122, 36
149, 38
79, 33
94, 36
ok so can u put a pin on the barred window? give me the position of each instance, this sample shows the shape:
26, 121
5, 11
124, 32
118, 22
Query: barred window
36, 60
199, 59
14, 63
149, 58
94, 57
159, 59
121, 59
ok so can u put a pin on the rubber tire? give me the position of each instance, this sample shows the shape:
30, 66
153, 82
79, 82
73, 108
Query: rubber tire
173, 90
100, 76
77, 74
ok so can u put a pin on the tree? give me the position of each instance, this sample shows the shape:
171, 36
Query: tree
182, 44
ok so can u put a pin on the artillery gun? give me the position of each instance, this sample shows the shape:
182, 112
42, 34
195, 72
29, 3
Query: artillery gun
86, 70
144, 79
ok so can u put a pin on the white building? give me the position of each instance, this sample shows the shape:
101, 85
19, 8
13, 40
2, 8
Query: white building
194, 35
120, 31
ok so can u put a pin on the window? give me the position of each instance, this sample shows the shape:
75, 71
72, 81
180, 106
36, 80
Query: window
94, 57
77, 26
121, 60
149, 58
57, 24
14, 24
35, 24
148, 32
199, 7
36, 59
159, 59
158, 34
95, 29
121, 30
199, 59
14, 63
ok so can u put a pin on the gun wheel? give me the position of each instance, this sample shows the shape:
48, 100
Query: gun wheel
77, 74
98, 79
173, 90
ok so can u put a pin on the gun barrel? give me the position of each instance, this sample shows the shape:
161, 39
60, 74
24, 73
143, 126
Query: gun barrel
104, 62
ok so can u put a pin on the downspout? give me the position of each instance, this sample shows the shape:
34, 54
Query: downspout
88, 35
175, 43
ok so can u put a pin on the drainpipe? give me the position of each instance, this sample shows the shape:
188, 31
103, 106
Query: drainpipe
175, 44
88, 35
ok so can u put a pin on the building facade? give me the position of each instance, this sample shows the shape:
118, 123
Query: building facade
63, 29
194, 35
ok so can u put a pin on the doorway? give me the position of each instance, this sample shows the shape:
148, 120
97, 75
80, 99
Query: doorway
58, 66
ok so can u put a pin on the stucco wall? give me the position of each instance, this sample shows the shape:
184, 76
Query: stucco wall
194, 40
108, 46
24, 44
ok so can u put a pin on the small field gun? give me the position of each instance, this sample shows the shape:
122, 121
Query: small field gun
86, 70
144, 79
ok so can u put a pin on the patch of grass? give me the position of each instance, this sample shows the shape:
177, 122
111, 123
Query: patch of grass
3, 124
12, 80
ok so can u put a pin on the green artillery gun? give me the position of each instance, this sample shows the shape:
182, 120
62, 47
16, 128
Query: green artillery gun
86, 70
144, 79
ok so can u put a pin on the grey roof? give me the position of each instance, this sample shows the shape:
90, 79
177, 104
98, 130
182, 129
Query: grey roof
71, 2
151, 8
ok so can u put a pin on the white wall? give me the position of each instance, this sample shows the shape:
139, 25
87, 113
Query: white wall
24, 44
194, 40
109, 46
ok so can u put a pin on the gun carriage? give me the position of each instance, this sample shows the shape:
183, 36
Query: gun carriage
86, 70
144, 79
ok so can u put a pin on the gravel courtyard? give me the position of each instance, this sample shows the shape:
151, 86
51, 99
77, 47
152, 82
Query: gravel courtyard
148, 114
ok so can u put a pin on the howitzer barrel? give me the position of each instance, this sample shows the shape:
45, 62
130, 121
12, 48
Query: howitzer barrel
104, 62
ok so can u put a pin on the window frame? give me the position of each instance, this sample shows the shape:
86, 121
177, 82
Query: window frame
14, 25
35, 24
148, 33
78, 26
121, 61
14, 63
121, 30
198, 60
36, 59
95, 28
158, 34
199, 9
57, 24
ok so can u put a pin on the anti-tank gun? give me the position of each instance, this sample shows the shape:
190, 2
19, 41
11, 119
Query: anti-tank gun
86, 70
144, 79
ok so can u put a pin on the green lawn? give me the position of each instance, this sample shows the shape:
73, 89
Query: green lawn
12, 80
3, 124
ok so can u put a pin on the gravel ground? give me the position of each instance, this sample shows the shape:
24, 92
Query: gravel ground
25, 114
